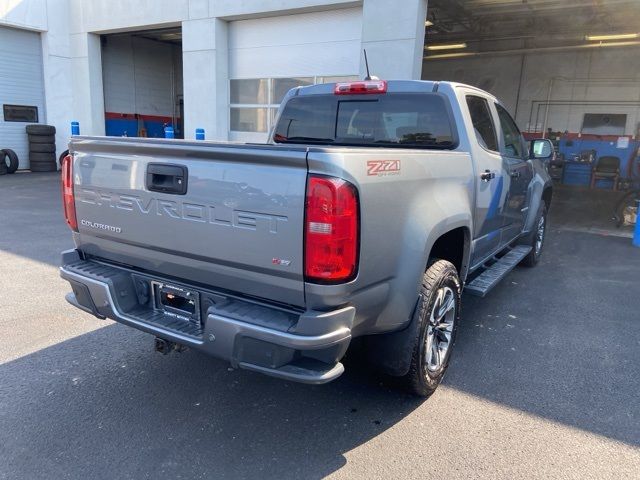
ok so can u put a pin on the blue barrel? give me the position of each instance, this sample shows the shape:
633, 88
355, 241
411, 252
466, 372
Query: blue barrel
636, 232
199, 133
168, 132
75, 128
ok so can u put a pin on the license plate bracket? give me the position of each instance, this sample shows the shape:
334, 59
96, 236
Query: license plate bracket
177, 301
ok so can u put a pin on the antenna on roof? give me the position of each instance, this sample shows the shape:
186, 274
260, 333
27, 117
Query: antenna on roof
366, 64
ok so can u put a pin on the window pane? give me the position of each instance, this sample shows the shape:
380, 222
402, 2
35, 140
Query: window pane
420, 120
20, 113
604, 123
313, 117
249, 119
482, 122
249, 91
510, 134
282, 85
346, 78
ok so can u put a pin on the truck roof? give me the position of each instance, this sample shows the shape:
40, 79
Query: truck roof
393, 86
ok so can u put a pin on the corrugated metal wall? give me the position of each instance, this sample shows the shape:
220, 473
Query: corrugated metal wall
21, 83
603, 81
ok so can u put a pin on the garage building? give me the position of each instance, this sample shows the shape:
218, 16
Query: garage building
568, 70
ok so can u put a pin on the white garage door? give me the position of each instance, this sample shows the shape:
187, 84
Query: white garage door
268, 56
21, 89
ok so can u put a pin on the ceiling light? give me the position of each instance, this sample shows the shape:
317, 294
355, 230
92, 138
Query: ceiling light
450, 55
447, 46
428, 23
604, 38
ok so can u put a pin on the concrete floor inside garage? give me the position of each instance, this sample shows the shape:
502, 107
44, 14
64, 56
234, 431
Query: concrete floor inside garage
543, 383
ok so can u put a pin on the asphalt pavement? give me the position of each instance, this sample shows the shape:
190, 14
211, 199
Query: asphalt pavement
544, 381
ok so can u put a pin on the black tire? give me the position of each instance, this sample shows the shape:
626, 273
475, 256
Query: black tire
43, 166
39, 129
3, 168
42, 139
440, 287
42, 157
10, 156
61, 157
42, 148
539, 233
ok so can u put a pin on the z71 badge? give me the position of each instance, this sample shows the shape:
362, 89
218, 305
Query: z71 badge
382, 168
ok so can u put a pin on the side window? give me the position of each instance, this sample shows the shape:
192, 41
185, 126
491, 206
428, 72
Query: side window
482, 122
510, 134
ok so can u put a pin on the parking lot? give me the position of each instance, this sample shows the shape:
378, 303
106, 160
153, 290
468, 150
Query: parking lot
544, 381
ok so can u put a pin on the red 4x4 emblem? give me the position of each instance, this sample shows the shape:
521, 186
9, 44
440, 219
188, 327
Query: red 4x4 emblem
383, 167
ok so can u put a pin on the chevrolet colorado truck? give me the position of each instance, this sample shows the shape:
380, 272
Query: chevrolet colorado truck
366, 214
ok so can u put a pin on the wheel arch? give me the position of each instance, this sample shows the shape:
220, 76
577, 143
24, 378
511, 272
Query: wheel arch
454, 245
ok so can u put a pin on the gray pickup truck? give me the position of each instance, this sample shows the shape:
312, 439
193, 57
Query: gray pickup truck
370, 209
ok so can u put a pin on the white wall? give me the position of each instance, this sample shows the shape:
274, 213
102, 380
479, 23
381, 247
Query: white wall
51, 19
393, 35
21, 83
281, 46
72, 62
608, 75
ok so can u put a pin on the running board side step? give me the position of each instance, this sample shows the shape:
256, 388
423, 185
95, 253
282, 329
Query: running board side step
483, 283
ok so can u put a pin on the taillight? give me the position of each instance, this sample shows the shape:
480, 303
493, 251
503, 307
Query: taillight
68, 199
355, 88
331, 230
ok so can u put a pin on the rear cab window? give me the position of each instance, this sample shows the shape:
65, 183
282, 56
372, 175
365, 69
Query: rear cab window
408, 120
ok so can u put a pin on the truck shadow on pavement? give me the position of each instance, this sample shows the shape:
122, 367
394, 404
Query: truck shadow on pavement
104, 405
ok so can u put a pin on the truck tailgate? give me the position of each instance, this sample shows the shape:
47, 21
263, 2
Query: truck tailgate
238, 226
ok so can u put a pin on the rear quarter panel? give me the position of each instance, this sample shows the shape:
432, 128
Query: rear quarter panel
402, 214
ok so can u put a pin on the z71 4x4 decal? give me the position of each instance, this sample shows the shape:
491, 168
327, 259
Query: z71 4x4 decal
381, 168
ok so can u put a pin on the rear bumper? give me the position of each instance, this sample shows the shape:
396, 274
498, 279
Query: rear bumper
304, 347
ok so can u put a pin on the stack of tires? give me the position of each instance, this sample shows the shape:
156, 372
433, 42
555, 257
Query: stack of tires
8, 161
42, 148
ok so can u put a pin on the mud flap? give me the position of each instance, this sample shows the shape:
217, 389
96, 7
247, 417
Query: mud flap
391, 352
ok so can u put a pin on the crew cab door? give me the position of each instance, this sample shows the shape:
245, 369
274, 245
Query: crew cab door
519, 173
489, 182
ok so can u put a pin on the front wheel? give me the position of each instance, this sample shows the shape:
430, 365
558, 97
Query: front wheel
438, 317
536, 238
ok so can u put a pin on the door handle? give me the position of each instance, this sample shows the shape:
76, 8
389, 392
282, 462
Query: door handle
515, 174
487, 176
167, 178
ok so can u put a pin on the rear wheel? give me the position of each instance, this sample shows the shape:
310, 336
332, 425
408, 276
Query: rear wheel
438, 317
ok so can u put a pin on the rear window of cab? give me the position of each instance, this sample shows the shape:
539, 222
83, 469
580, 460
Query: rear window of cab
408, 120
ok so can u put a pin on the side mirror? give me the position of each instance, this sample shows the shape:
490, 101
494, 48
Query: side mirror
542, 149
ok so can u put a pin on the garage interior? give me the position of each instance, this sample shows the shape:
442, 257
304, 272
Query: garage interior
142, 79
568, 71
